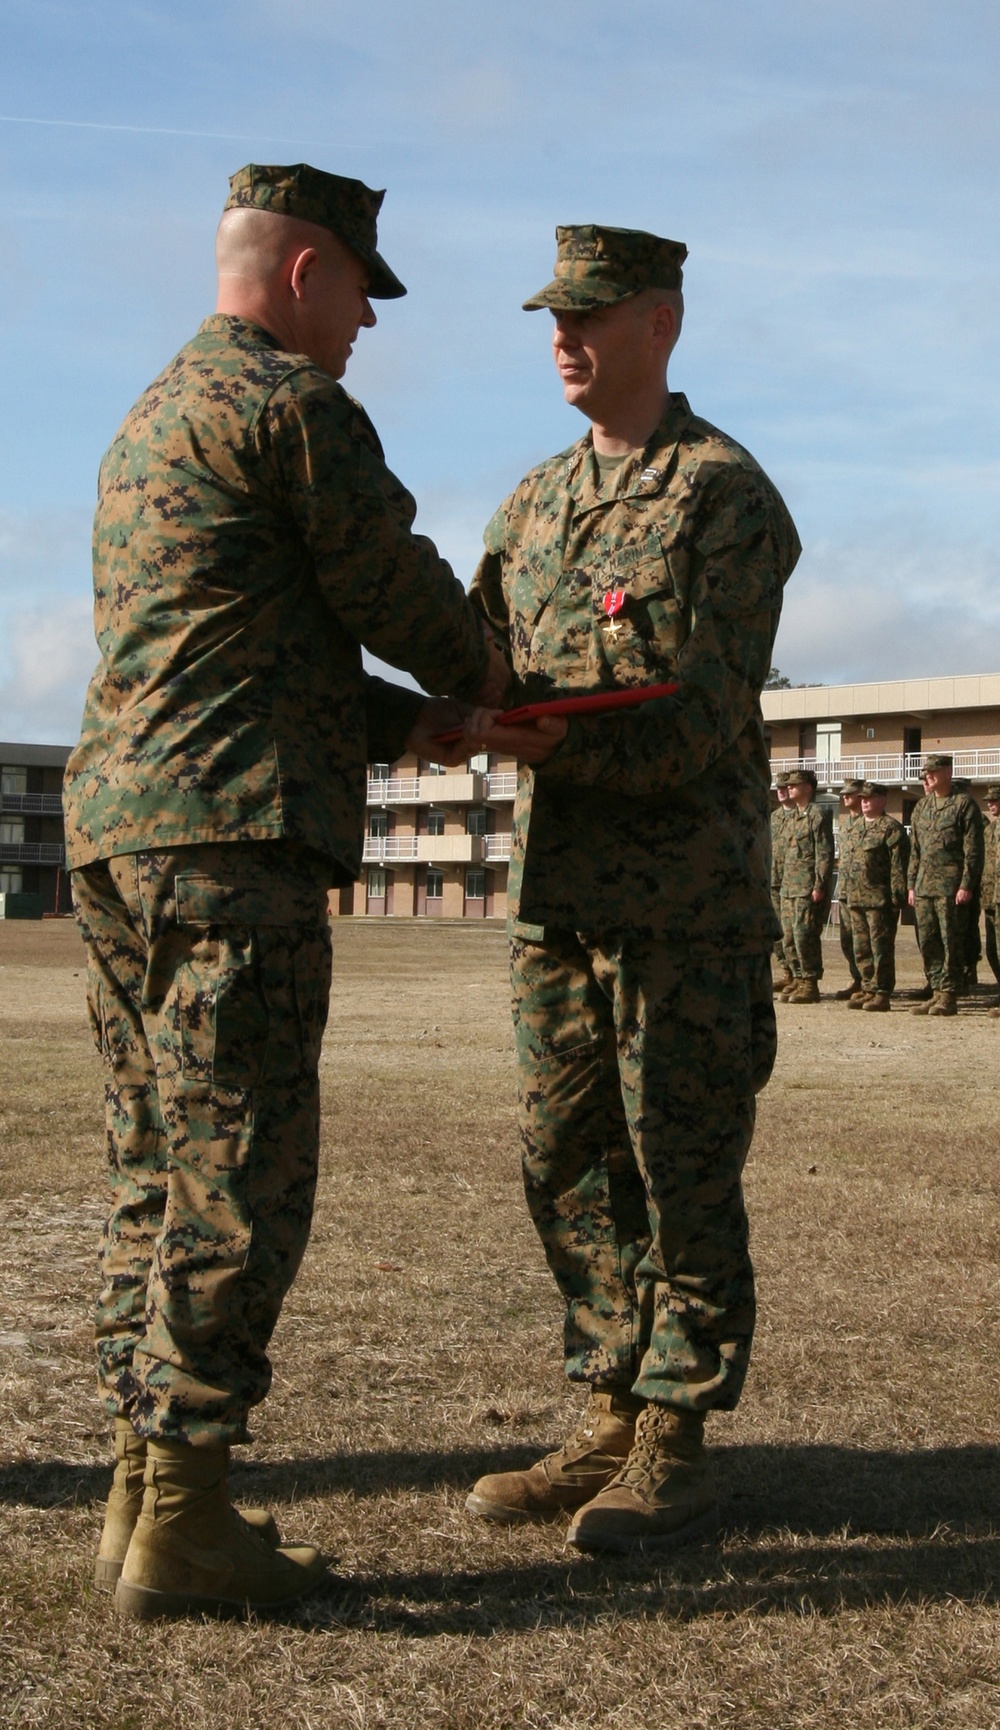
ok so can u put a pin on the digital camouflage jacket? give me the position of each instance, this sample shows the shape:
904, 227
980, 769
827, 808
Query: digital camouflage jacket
777, 846
808, 850
248, 539
988, 888
651, 820
946, 845
848, 832
880, 854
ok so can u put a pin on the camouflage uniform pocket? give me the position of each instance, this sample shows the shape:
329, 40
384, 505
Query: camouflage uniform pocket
643, 638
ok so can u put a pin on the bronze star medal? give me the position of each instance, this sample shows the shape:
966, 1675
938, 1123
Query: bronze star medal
614, 601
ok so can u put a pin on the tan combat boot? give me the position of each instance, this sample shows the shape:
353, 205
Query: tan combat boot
848, 992
562, 1481
925, 1005
807, 991
192, 1554
662, 1496
784, 982
878, 1002
787, 992
944, 1004
860, 1000
125, 1503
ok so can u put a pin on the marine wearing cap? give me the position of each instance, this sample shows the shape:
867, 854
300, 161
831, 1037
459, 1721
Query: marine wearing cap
992, 795
348, 208
598, 266
937, 760
872, 790
801, 778
852, 787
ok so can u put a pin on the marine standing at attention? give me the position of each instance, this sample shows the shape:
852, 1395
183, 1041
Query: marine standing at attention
777, 866
946, 864
248, 540
641, 921
880, 856
988, 887
806, 886
848, 831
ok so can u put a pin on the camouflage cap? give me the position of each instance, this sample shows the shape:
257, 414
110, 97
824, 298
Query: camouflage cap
852, 787
782, 779
873, 790
992, 794
598, 266
802, 778
937, 761
348, 208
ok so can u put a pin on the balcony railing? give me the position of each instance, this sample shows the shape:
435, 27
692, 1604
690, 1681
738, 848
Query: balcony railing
32, 853
497, 847
36, 804
891, 768
501, 786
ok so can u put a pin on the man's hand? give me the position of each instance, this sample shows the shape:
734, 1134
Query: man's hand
818, 894
492, 693
533, 743
439, 715
911, 897
963, 897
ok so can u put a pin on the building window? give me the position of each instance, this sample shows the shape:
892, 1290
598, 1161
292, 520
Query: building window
376, 885
11, 882
435, 822
13, 780
435, 885
475, 885
869, 732
378, 823
477, 821
434, 769
12, 831
480, 765
828, 742
379, 771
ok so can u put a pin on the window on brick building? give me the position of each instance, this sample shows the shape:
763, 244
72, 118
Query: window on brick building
475, 885
379, 771
376, 884
477, 821
435, 885
435, 822
378, 823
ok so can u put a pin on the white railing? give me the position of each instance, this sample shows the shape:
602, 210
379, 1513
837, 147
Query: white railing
497, 847
397, 790
32, 852
892, 768
382, 848
44, 804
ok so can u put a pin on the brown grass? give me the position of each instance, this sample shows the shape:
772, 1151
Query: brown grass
856, 1581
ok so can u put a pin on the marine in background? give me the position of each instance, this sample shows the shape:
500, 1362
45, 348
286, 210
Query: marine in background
878, 892
848, 829
806, 886
785, 975
988, 887
945, 870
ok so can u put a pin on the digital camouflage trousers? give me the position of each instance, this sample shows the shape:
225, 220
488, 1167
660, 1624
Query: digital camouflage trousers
208, 978
802, 921
848, 941
940, 934
637, 1073
875, 946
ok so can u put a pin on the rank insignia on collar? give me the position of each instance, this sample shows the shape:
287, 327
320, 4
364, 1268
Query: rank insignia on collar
650, 475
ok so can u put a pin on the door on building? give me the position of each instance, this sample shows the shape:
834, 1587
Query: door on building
375, 895
912, 748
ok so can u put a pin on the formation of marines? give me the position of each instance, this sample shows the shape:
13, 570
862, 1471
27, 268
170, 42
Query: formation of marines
945, 870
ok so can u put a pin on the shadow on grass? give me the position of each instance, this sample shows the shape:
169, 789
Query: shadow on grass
812, 1530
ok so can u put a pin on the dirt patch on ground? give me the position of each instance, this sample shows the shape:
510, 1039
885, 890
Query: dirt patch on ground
855, 1581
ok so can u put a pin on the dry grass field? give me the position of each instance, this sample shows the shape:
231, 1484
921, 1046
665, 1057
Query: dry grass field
856, 1578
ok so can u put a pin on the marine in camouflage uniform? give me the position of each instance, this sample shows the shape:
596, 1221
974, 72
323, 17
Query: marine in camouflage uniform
946, 861
969, 912
777, 866
248, 539
640, 912
988, 886
880, 857
847, 833
806, 887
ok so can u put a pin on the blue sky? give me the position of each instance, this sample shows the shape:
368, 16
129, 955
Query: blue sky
833, 171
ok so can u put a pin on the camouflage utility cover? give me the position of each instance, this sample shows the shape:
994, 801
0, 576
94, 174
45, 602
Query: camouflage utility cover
248, 539
653, 820
598, 266
346, 207
946, 845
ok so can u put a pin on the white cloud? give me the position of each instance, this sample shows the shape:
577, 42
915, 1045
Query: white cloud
49, 654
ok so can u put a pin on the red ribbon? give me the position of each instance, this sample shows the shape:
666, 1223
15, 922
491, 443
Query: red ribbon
614, 601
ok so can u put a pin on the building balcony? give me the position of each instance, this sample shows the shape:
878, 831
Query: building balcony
34, 804
425, 849
892, 769
497, 848
501, 787
32, 853
428, 790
